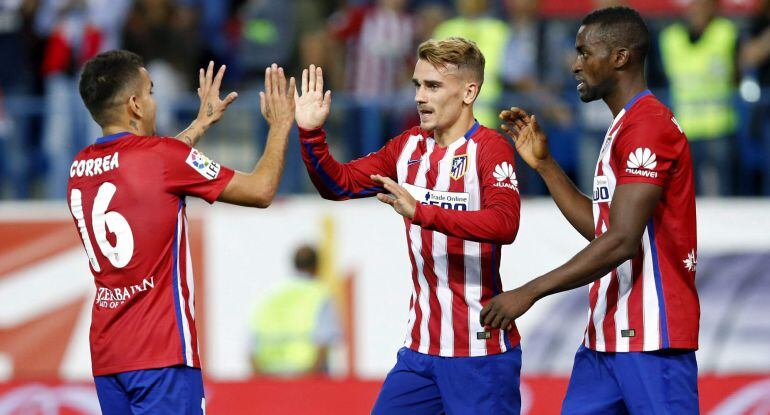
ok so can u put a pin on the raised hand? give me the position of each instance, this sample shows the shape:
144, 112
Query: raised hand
212, 107
531, 143
277, 101
399, 198
313, 104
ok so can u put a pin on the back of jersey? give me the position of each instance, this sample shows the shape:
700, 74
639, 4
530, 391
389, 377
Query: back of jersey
126, 194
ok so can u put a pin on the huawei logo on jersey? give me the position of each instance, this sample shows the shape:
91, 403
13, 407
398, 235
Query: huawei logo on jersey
641, 162
505, 176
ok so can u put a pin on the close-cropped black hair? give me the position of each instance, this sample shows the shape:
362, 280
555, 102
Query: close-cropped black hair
104, 77
621, 27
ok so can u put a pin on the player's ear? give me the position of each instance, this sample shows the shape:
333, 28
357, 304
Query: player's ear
134, 108
620, 57
471, 92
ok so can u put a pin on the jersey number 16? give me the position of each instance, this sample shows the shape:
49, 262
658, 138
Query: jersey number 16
120, 254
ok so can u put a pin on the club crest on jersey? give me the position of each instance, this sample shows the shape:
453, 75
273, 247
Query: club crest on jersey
505, 176
459, 166
203, 165
642, 162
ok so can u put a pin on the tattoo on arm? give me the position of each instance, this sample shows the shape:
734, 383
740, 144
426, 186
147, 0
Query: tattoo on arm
188, 140
209, 110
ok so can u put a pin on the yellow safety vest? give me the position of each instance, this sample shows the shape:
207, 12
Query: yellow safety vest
284, 325
702, 77
490, 36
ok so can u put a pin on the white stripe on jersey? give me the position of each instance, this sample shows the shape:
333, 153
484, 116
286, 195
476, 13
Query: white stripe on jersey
190, 277
415, 233
473, 259
650, 298
182, 307
625, 279
441, 266
402, 164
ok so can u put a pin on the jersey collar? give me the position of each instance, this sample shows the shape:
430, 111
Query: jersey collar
111, 138
637, 97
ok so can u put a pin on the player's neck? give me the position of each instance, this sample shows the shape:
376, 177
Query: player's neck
448, 136
625, 91
131, 127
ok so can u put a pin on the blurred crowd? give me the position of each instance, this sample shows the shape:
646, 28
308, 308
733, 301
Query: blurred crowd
713, 70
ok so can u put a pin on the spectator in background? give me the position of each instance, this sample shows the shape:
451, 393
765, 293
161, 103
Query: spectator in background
490, 35
20, 52
379, 41
755, 60
75, 31
294, 328
165, 34
699, 59
534, 70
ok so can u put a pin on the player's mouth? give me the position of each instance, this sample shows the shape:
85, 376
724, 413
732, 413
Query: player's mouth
581, 84
424, 113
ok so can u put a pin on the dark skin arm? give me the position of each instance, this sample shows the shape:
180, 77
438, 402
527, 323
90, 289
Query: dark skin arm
632, 206
532, 145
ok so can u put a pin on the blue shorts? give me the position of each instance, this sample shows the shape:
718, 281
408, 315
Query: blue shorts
424, 384
169, 390
636, 383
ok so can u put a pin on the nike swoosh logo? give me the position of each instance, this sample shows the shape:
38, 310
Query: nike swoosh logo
410, 162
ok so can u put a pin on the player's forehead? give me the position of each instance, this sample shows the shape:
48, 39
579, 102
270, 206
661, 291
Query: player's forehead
588, 36
426, 71
144, 77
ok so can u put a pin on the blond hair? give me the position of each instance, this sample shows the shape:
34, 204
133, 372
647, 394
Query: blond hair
457, 51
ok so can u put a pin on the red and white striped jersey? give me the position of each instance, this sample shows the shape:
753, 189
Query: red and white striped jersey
469, 207
649, 302
127, 196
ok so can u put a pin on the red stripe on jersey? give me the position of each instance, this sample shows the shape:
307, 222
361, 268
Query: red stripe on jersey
487, 282
636, 302
434, 323
610, 343
410, 176
456, 277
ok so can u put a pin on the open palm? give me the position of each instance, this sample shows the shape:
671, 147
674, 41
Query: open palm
312, 106
531, 142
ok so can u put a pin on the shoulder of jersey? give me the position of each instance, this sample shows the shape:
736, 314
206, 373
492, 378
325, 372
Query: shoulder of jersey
488, 136
651, 111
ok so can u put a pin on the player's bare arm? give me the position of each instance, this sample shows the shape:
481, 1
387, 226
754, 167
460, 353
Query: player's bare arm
532, 145
258, 188
212, 107
399, 198
632, 206
313, 104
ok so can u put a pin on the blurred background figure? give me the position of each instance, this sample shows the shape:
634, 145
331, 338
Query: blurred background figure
700, 58
475, 21
294, 327
379, 43
755, 89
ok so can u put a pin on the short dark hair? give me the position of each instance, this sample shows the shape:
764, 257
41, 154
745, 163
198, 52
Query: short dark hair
306, 259
621, 26
104, 77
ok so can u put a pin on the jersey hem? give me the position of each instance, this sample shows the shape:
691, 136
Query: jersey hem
463, 352
144, 364
673, 344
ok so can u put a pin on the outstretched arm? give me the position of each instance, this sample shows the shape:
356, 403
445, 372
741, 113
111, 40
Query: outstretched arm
258, 188
334, 180
632, 206
532, 145
212, 108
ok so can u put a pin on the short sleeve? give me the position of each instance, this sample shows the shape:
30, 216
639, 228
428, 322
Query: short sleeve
188, 172
647, 152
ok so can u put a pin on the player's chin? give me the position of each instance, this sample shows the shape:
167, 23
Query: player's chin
427, 125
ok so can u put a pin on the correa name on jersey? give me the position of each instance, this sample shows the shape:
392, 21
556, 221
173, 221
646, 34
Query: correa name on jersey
95, 166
